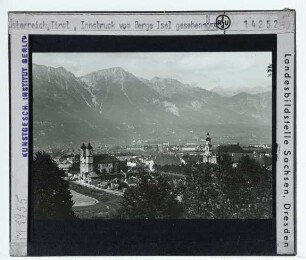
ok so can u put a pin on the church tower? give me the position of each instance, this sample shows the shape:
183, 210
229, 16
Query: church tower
86, 159
207, 147
82, 159
208, 157
89, 158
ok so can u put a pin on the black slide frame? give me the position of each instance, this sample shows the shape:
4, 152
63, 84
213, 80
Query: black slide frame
154, 237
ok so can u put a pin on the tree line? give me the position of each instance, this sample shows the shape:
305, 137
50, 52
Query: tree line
210, 191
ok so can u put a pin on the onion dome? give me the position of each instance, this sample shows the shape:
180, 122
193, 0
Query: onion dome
89, 146
208, 137
83, 146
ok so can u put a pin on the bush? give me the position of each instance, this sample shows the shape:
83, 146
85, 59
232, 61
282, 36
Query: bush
51, 195
152, 198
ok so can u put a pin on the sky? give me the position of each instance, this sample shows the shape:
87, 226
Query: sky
204, 69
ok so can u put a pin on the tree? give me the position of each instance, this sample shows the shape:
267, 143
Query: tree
225, 160
221, 191
204, 194
75, 166
250, 189
152, 198
51, 194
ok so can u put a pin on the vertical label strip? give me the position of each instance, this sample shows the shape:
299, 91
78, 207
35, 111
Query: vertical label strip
285, 207
19, 144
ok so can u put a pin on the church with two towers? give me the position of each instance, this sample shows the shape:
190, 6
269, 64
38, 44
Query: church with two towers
86, 159
110, 164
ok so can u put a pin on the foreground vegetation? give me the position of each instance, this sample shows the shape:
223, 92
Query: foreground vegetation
106, 208
51, 194
209, 191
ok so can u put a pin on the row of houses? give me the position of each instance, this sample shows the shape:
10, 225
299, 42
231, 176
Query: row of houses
94, 168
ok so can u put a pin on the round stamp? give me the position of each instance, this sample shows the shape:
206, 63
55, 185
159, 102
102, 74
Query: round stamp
223, 22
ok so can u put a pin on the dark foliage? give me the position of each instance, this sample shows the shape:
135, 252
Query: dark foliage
210, 191
169, 168
250, 188
204, 196
75, 167
51, 194
221, 191
152, 198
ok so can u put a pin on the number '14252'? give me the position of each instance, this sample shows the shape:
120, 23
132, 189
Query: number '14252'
261, 24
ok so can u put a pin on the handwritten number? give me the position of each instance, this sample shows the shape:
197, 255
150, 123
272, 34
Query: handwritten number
23, 209
21, 201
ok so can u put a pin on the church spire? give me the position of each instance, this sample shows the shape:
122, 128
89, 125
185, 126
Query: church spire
89, 145
208, 137
83, 145
208, 157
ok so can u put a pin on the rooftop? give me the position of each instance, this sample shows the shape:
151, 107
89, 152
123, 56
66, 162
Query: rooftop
104, 158
167, 159
230, 148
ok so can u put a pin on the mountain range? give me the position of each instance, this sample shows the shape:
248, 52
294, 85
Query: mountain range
229, 92
113, 106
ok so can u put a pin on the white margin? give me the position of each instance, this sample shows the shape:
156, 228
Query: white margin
157, 5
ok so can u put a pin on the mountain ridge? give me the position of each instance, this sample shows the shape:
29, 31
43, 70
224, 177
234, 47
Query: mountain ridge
114, 103
229, 92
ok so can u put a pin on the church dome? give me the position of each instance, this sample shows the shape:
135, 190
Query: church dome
208, 137
89, 146
83, 146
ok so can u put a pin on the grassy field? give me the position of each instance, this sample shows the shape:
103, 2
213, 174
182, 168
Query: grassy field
105, 209
81, 200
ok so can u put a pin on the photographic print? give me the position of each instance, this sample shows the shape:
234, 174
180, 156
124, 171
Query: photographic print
180, 135
152, 133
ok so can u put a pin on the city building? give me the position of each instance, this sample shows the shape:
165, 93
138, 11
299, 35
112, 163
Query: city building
163, 159
86, 160
91, 165
208, 156
105, 163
